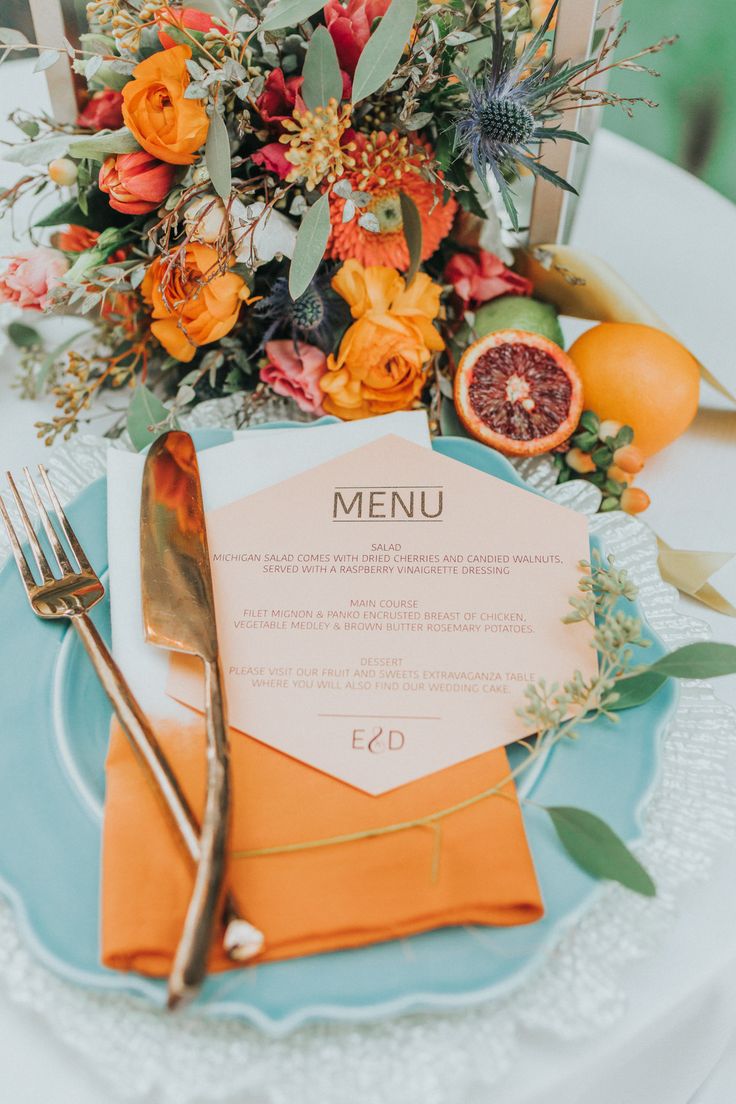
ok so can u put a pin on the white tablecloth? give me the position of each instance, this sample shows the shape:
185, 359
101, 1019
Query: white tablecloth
674, 241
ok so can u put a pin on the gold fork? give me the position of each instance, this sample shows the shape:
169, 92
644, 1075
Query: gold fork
70, 593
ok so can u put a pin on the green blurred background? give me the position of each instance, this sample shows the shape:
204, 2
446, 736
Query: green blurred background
695, 123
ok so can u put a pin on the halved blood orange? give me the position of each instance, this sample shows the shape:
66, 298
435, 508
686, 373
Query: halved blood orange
518, 392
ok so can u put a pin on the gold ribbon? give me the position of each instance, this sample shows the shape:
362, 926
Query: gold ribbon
583, 286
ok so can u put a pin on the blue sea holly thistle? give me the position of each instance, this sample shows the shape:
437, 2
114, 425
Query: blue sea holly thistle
512, 105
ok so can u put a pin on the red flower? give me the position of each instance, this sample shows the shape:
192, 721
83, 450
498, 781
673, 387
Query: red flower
476, 279
136, 182
278, 98
103, 111
281, 95
190, 18
350, 27
77, 239
272, 158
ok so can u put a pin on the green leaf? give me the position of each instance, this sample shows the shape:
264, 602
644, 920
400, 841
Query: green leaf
289, 13
62, 215
382, 52
100, 146
23, 336
413, 233
450, 424
702, 660
322, 76
39, 152
217, 155
46, 60
624, 436
597, 850
589, 420
636, 690
145, 411
311, 242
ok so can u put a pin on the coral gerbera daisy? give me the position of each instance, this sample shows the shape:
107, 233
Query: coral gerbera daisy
385, 166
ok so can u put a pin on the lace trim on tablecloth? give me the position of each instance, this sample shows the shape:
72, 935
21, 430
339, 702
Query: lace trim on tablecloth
442, 1057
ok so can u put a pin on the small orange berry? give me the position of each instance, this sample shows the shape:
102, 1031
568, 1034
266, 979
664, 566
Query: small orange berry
63, 171
618, 474
580, 462
634, 500
630, 458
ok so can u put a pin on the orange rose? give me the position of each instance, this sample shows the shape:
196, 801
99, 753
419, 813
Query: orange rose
193, 305
382, 362
154, 108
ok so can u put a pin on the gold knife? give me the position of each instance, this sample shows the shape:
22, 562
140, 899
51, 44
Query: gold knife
179, 614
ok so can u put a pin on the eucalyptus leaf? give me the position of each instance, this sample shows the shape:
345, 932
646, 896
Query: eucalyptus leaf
46, 60
94, 43
39, 152
10, 37
636, 690
100, 146
382, 52
23, 336
289, 13
702, 660
597, 850
217, 155
61, 215
144, 412
412, 224
92, 66
421, 119
311, 242
322, 76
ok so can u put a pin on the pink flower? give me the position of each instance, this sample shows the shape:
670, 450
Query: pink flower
30, 277
272, 158
294, 370
477, 279
103, 111
350, 27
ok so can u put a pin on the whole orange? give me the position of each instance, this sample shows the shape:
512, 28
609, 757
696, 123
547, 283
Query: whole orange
639, 376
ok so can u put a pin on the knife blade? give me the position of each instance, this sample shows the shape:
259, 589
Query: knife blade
179, 614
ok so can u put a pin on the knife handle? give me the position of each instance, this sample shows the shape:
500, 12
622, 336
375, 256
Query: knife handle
242, 940
190, 960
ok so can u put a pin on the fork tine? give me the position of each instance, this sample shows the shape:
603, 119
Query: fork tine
38, 553
25, 572
61, 557
69, 533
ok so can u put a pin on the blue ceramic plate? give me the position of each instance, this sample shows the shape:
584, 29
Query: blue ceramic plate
52, 749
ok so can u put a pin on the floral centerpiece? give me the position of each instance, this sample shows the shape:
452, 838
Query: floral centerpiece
313, 200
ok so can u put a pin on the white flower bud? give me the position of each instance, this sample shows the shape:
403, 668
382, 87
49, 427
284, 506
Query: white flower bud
204, 219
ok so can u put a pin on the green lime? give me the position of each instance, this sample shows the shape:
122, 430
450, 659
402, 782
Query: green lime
518, 312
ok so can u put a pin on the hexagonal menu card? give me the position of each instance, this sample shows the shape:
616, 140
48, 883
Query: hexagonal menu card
380, 615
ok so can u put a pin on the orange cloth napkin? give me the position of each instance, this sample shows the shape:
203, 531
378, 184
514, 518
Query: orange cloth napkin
318, 900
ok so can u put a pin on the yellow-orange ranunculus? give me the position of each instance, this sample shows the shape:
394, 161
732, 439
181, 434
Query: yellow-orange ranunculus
195, 305
166, 124
382, 362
